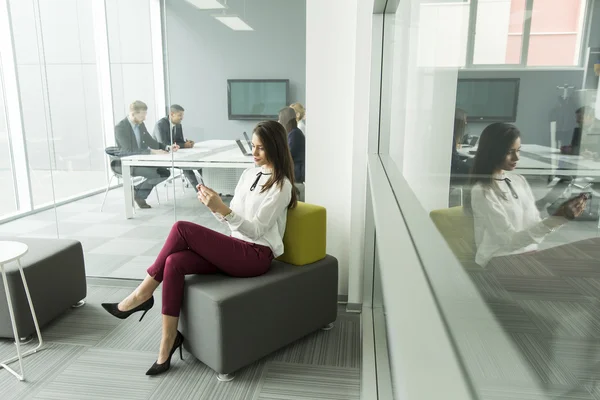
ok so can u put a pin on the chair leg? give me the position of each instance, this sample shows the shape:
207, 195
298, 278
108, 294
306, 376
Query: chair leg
106, 193
158, 198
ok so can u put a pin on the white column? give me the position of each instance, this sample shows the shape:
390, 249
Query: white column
362, 99
330, 80
14, 116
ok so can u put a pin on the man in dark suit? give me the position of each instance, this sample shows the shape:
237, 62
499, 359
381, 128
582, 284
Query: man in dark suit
169, 130
132, 138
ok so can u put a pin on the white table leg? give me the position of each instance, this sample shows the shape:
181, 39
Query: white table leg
20, 356
126, 171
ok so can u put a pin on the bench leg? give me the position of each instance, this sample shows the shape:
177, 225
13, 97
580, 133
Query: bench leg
327, 327
80, 303
225, 377
19, 356
25, 339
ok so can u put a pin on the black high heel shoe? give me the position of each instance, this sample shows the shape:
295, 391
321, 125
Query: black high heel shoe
157, 368
114, 309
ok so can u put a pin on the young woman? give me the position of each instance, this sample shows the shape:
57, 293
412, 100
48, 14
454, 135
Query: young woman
506, 219
256, 216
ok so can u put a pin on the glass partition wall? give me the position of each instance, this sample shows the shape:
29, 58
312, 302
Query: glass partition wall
69, 71
509, 86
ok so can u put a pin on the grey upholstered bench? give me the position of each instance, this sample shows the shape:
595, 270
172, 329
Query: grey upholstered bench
229, 323
55, 273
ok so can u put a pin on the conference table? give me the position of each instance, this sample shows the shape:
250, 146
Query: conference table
207, 154
543, 161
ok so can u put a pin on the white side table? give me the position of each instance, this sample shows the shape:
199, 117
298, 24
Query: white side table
13, 251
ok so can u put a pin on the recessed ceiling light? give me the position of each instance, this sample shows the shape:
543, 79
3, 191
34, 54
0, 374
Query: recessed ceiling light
207, 4
234, 22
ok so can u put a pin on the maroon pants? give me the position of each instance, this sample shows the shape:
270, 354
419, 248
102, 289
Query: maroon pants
194, 249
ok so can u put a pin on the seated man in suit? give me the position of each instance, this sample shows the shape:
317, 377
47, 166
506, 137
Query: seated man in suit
169, 130
132, 137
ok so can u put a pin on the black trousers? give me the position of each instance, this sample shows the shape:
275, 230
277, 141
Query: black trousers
153, 176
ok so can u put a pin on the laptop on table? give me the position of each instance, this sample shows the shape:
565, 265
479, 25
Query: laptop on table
242, 148
248, 141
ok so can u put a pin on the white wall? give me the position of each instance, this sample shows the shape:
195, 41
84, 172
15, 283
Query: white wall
203, 54
330, 90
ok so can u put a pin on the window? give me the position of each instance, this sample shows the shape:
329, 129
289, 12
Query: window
527, 32
556, 28
498, 31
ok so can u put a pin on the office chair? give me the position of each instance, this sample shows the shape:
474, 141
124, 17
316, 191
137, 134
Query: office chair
115, 166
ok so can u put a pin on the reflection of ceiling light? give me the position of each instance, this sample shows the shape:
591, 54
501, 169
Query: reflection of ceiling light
233, 21
207, 4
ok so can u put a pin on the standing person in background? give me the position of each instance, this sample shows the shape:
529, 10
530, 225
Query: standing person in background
300, 116
169, 130
297, 143
132, 137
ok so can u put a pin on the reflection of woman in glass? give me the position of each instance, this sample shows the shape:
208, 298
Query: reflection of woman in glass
256, 216
506, 219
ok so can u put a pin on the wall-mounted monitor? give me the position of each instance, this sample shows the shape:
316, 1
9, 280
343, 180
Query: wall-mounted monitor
256, 99
488, 100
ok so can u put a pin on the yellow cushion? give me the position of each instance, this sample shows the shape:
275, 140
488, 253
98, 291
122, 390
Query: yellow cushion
304, 240
457, 229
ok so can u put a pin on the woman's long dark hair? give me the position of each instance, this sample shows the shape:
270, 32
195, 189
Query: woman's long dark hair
494, 144
287, 116
274, 140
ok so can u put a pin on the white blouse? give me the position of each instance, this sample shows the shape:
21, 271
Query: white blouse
505, 224
259, 217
